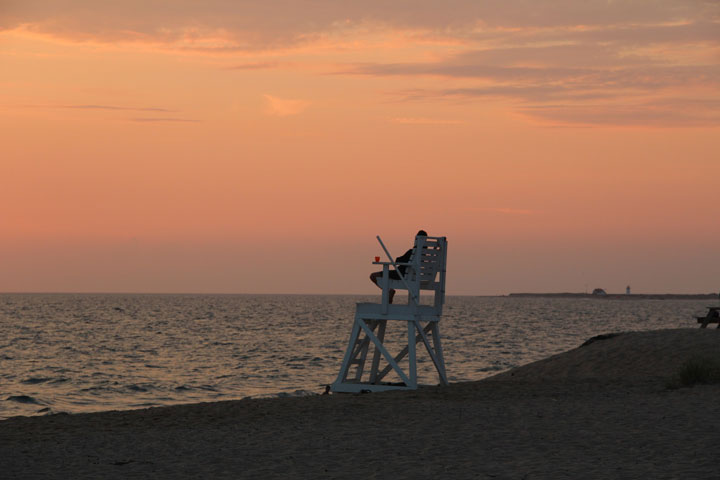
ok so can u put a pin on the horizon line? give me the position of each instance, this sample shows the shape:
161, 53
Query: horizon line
341, 294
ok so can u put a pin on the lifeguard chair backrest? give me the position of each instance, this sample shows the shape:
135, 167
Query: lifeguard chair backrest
428, 270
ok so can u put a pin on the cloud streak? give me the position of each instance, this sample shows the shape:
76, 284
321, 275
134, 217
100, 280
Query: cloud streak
680, 113
114, 108
284, 107
119, 108
163, 120
424, 121
96, 107
603, 83
256, 25
506, 211
254, 66
552, 60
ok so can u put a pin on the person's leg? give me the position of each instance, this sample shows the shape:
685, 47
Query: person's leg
374, 277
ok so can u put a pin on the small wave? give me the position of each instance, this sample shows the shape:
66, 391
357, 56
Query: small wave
59, 369
495, 368
298, 359
296, 393
137, 388
93, 389
35, 380
26, 399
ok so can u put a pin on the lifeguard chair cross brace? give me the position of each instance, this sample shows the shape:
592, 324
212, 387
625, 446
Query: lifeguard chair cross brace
424, 272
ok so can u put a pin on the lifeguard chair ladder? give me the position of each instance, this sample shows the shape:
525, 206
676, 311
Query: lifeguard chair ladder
425, 271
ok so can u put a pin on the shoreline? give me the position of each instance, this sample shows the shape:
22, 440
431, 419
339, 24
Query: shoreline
602, 410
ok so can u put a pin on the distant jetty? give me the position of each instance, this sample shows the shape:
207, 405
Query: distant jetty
622, 296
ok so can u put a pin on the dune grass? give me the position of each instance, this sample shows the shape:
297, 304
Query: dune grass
696, 370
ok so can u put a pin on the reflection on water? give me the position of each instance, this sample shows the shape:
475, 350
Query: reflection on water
81, 353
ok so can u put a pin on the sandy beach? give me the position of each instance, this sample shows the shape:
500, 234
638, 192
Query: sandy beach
603, 410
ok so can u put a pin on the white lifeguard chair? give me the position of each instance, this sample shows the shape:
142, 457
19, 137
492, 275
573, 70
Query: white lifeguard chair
424, 272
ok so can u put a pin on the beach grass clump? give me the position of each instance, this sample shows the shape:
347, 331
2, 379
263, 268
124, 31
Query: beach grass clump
696, 370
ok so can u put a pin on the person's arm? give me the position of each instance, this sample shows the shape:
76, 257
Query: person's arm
405, 258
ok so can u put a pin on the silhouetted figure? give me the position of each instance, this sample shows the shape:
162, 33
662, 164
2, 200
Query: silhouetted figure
375, 276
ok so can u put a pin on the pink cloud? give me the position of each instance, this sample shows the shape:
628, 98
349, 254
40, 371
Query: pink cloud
284, 107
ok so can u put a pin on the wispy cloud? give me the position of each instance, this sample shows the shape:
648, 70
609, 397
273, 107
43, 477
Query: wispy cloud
114, 107
630, 91
120, 108
97, 107
254, 25
680, 113
424, 121
254, 66
508, 211
538, 85
163, 120
283, 107
549, 59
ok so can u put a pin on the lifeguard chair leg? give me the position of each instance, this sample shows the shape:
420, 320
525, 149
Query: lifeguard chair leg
361, 352
342, 376
412, 360
382, 324
400, 355
378, 344
357, 349
435, 354
439, 353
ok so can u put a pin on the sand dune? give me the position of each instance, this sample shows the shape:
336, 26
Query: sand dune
633, 356
598, 411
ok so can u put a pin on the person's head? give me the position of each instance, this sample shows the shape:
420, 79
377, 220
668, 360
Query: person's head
421, 233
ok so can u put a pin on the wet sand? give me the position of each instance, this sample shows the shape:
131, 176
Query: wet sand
599, 411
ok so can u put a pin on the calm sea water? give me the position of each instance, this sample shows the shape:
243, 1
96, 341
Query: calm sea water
82, 353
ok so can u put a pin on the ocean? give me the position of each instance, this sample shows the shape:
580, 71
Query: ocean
79, 353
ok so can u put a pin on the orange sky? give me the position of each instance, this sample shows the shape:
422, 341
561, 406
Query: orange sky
254, 147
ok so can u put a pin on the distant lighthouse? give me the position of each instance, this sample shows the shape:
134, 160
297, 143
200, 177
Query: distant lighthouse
627, 290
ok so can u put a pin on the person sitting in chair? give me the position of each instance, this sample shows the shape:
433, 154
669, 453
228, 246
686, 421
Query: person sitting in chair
375, 276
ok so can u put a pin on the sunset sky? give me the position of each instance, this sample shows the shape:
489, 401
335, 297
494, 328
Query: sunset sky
259, 146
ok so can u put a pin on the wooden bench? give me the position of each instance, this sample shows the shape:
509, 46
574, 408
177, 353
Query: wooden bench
712, 316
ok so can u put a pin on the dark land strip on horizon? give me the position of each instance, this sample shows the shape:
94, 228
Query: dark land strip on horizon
624, 296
